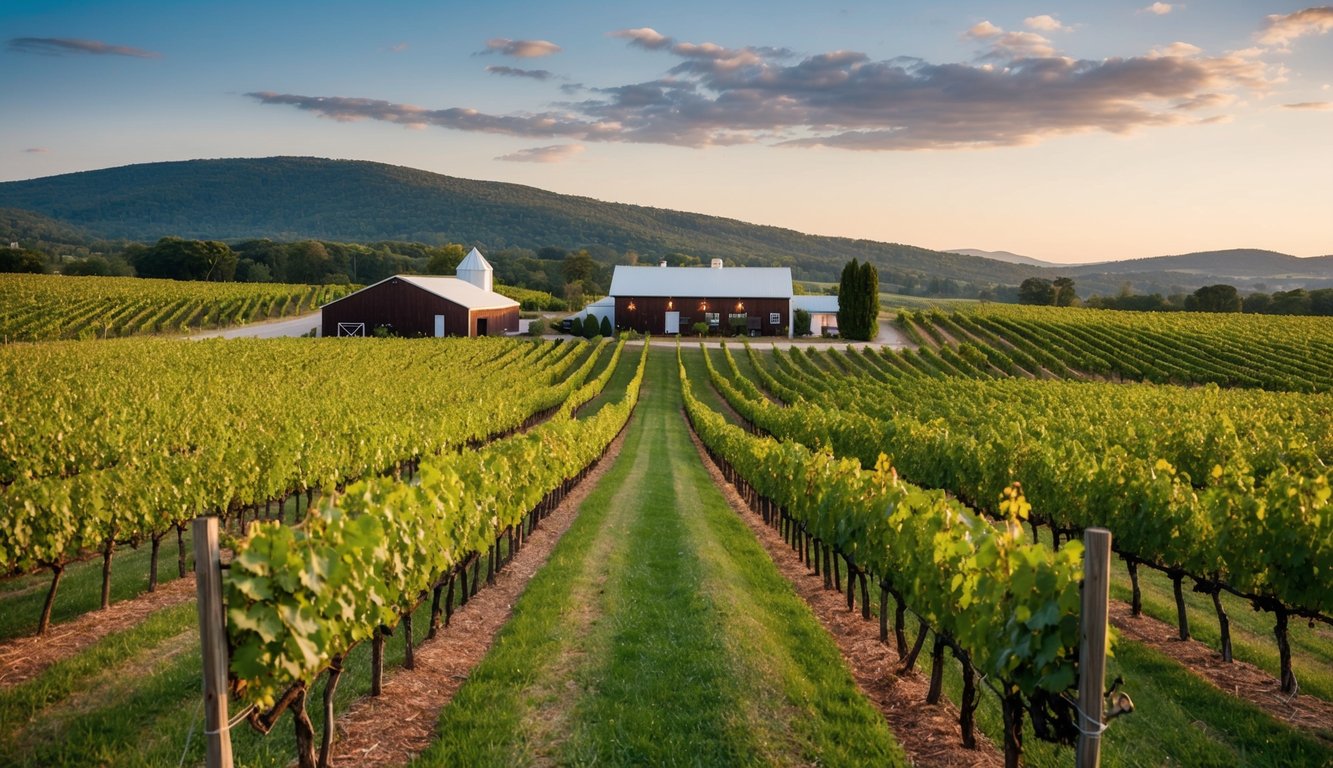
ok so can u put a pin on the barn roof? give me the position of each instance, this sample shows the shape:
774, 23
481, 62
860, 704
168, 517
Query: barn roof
823, 305
453, 289
741, 282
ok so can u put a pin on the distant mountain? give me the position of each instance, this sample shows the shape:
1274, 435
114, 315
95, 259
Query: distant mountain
293, 198
1007, 257
1239, 263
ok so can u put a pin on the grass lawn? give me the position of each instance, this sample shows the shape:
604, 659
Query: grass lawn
660, 634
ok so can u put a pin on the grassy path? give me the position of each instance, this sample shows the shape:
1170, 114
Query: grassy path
660, 634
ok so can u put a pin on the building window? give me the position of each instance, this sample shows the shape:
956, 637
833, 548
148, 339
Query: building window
712, 318
775, 318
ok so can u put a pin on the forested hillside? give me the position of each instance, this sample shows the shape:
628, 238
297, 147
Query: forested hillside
290, 198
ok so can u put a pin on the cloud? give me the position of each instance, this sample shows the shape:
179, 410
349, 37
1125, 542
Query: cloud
701, 56
347, 110
1010, 45
535, 74
1045, 23
1279, 30
36, 150
712, 95
1158, 9
57, 46
984, 30
556, 153
398, 48
1313, 106
521, 49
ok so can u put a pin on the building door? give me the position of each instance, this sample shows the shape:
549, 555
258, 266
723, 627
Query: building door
673, 322
481, 326
439, 326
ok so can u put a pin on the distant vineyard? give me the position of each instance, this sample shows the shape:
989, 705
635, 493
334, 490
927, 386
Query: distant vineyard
1257, 351
51, 307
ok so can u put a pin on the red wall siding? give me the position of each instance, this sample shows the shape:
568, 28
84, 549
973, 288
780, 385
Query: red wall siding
649, 314
411, 311
498, 321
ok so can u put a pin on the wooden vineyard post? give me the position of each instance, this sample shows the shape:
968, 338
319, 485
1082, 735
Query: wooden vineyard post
212, 641
1092, 644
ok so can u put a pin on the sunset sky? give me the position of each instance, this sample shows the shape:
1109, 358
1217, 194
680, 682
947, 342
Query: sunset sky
1065, 131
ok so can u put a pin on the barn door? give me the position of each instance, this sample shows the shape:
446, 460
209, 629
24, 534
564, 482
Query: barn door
673, 322
481, 326
439, 326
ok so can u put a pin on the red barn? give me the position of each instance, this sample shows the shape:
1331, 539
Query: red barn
662, 299
414, 305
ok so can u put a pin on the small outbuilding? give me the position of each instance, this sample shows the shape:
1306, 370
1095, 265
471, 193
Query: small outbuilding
755, 301
823, 313
417, 305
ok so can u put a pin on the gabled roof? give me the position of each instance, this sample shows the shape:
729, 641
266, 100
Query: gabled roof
459, 291
473, 261
823, 305
740, 282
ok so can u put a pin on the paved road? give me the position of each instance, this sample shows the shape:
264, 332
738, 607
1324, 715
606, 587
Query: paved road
291, 326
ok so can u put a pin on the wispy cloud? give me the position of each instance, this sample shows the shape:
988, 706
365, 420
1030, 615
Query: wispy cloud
1313, 106
535, 74
714, 95
59, 46
1045, 23
349, 109
398, 48
37, 150
521, 49
1280, 30
556, 153
1158, 9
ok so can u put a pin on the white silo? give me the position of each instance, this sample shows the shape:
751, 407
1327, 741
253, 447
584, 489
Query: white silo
476, 270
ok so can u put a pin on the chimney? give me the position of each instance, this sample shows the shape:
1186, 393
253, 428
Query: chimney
662, 263
715, 263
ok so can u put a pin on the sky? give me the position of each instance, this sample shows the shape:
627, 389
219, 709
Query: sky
1071, 131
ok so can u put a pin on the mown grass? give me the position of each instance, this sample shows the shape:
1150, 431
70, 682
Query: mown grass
660, 634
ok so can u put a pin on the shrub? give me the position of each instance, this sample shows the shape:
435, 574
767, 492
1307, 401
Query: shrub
605, 327
700, 329
537, 327
591, 328
802, 322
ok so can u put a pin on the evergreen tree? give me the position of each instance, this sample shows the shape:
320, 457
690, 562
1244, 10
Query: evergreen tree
591, 329
868, 301
605, 327
847, 298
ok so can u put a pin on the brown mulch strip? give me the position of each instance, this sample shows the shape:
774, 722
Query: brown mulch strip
24, 658
393, 728
928, 733
1240, 679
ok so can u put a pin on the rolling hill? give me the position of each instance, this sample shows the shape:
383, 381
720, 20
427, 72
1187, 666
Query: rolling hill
298, 198
1009, 257
291, 198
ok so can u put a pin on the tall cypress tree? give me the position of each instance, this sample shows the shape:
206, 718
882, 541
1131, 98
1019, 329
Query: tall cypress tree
868, 305
847, 298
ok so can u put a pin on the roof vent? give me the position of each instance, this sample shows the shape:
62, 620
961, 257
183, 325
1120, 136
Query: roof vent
715, 263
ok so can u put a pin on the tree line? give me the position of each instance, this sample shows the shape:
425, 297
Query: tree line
1209, 298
